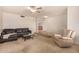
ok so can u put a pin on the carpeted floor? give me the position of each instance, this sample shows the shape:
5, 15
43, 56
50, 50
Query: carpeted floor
37, 44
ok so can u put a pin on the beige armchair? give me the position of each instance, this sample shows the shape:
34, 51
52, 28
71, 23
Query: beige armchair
65, 40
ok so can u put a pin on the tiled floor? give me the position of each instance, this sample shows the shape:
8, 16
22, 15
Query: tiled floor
37, 44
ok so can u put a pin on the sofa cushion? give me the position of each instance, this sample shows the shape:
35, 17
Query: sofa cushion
7, 31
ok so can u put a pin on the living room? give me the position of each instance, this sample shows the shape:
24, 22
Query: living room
43, 23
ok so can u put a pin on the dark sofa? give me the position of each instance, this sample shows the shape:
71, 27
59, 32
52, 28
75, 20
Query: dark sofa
22, 31
13, 34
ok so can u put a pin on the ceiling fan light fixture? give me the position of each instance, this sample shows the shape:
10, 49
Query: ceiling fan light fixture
33, 10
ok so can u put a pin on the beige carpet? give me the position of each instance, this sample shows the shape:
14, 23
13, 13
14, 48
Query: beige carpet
34, 45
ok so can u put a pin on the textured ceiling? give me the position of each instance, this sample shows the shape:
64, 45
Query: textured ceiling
46, 10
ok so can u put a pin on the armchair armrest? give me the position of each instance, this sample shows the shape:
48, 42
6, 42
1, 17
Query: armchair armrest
67, 38
58, 36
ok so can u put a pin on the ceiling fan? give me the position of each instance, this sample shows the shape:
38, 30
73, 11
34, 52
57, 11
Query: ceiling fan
34, 9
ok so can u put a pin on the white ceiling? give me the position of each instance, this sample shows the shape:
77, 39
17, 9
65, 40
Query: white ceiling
46, 10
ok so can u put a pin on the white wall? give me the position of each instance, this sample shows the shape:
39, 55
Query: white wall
73, 21
56, 24
15, 21
53, 24
0, 19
